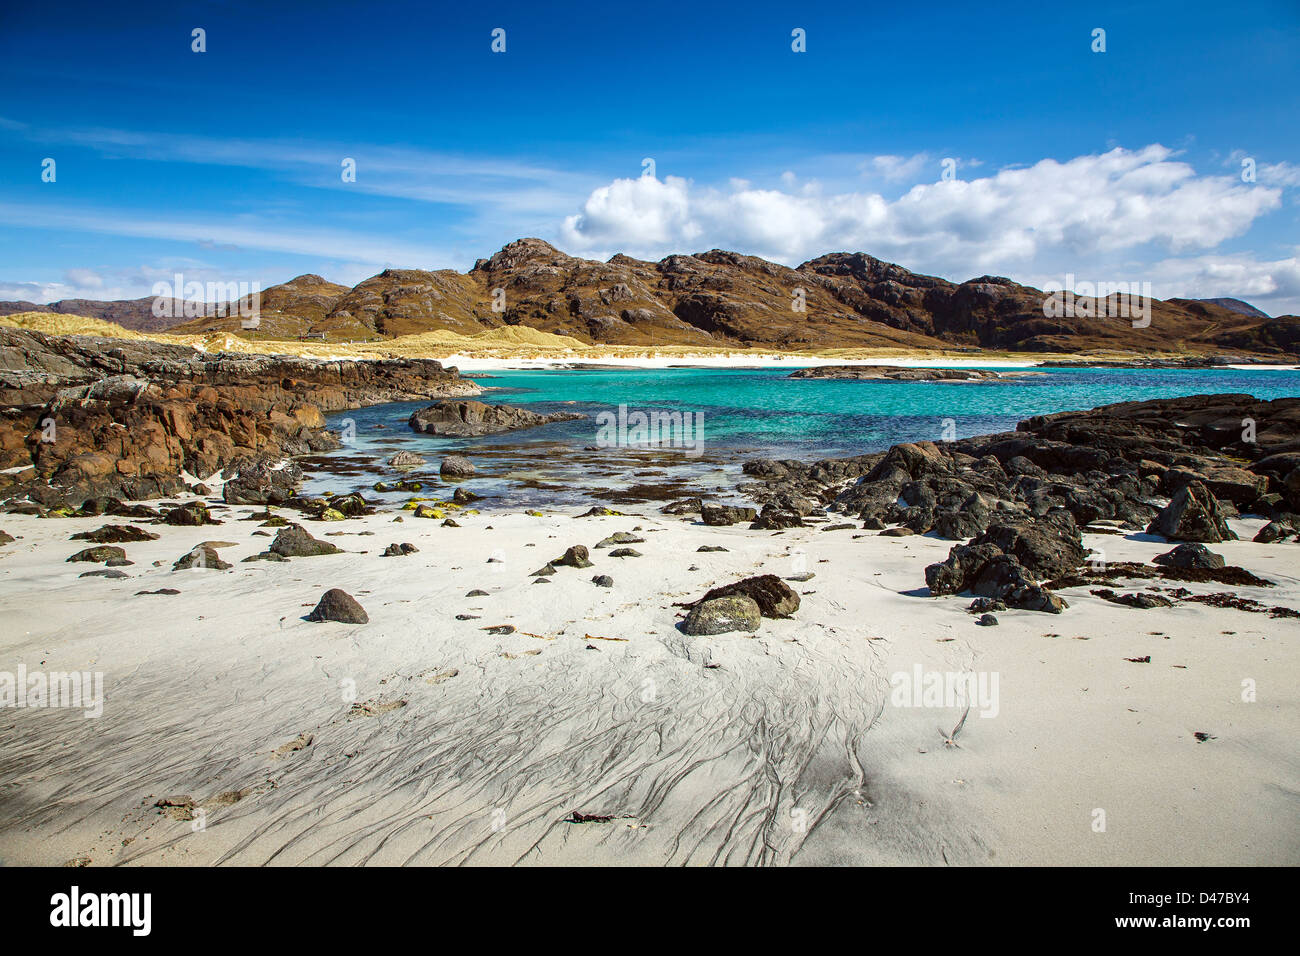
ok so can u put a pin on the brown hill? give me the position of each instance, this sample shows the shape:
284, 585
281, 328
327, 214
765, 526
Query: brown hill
719, 298
134, 314
287, 310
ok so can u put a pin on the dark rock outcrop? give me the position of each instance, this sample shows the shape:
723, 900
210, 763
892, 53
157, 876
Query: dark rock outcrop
91, 417
1193, 515
722, 515
262, 481
1028, 494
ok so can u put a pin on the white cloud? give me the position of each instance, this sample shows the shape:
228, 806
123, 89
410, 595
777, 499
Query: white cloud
1082, 215
1087, 206
1266, 174
1273, 286
897, 168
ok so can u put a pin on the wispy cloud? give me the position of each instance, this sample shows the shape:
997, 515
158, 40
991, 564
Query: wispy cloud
476, 182
245, 232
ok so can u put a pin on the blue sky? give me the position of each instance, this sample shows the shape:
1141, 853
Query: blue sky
1122, 165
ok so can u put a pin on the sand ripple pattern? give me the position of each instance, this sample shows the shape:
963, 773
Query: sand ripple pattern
725, 750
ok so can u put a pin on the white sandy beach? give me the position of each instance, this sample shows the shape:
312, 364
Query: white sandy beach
479, 362
783, 747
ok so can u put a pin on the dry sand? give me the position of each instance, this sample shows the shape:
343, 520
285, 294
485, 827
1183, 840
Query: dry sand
782, 747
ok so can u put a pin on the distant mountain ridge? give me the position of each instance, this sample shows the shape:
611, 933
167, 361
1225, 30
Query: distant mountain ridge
1236, 305
718, 298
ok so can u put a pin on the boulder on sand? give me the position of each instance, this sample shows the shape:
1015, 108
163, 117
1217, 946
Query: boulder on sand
773, 596
191, 515
200, 556
720, 615
295, 542
1190, 555
576, 557
116, 534
338, 605
1271, 532
103, 552
1048, 546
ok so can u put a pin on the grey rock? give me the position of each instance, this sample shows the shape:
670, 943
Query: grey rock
295, 542
774, 597
406, 459
456, 466
467, 419
721, 615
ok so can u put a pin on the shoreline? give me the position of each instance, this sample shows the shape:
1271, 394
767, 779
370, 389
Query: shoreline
552, 351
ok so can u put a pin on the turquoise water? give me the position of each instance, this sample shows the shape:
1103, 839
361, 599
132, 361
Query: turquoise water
746, 413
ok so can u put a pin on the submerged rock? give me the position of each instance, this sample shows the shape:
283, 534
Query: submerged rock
456, 466
406, 459
466, 419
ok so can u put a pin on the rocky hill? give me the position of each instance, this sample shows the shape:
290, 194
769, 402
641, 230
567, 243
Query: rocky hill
718, 298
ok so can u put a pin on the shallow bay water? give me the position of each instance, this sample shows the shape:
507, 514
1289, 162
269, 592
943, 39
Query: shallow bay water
738, 414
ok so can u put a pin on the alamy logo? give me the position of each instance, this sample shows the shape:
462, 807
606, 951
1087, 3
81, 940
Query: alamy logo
946, 689
194, 300
1099, 300
651, 429
133, 910
83, 690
